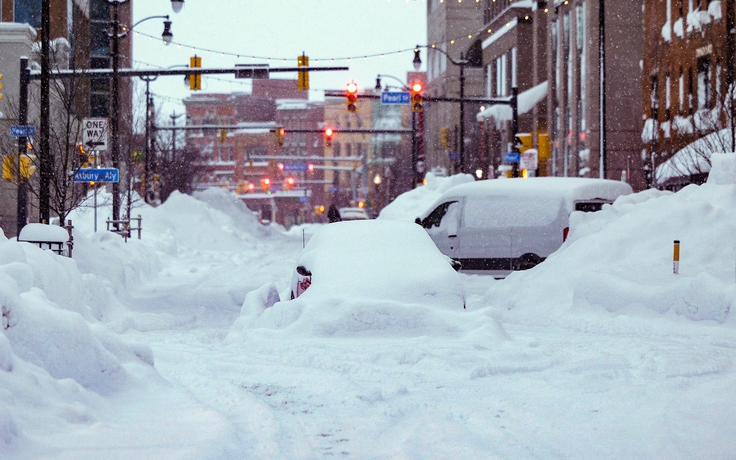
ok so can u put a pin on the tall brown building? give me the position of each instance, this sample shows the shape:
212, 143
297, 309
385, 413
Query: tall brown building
687, 72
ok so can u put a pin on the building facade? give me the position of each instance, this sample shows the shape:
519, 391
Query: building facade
688, 74
452, 36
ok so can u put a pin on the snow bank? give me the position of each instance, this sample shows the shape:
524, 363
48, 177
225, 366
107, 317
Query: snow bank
373, 279
620, 259
412, 204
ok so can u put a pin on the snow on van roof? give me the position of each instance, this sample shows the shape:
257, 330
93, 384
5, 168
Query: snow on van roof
570, 189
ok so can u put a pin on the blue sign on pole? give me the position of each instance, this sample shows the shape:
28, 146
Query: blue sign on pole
512, 157
97, 175
395, 97
23, 131
296, 167
304, 199
454, 156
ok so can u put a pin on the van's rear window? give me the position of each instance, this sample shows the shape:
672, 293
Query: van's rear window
485, 212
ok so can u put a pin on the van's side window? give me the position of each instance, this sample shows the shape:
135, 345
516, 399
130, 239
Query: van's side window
435, 217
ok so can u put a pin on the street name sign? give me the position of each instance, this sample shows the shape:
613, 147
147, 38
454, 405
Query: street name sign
454, 156
94, 133
23, 131
395, 97
512, 157
296, 167
97, 175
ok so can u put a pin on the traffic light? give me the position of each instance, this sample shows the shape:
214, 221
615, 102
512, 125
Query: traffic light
417, 101
265, 184
444, 137
195, 80
83, 157
328, 137
223, 135
310, 167
290, 181
303, 80
280, 136
1, 85
351, 93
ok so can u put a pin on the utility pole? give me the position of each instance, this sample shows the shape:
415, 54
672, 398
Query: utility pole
45, 159
22, 214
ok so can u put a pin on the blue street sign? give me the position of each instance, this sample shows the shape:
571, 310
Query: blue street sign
23, 131
512, 157
454, 156
97, 175
395, 97
296, 167
304, 199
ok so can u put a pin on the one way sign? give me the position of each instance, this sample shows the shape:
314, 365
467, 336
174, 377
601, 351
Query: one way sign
94, 133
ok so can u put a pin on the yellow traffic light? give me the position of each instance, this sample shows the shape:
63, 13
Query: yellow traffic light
280, 136
195, 80
444, 137
11, 164
303, 79
223, 135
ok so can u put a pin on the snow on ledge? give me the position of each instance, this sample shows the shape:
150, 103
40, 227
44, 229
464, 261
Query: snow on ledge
526, 100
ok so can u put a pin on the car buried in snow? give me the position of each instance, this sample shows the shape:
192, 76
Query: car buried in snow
380, 260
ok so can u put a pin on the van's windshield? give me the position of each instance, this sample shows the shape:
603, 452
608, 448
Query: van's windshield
510, 211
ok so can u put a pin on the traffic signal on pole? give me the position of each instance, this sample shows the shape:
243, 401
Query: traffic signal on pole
303, 80
265, 184
83, 157
195, 80
328, 137
444, 137
310, 167
290, 181
223, 135
417, 101
280, 136
351, 93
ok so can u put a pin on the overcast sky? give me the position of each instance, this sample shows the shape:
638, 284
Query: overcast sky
279, 29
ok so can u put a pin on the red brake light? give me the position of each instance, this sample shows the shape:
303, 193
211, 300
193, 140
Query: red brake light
565, 232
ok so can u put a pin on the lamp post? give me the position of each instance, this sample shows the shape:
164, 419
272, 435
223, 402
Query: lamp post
116, 34
462, 63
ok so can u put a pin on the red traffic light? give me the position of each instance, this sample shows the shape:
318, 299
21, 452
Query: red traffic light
328, 132
352, 87
280, 166
310, 167
416, 87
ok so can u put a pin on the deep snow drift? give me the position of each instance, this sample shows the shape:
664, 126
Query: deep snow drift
161, 348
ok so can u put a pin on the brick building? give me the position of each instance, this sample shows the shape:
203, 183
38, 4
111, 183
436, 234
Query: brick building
228, 156
687, 72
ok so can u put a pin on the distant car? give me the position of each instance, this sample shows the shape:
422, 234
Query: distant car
387, 260
353, 214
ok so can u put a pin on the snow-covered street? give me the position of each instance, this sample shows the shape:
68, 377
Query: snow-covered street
146, 349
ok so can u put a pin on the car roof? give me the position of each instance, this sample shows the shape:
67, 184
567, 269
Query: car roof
569, 189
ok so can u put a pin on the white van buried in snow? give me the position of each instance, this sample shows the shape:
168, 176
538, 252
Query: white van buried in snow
498, 226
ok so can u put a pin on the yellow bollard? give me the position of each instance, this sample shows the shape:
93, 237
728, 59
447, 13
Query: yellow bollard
676, 258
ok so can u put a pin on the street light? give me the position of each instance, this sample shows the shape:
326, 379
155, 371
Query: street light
462, 63
177, 5
115, 89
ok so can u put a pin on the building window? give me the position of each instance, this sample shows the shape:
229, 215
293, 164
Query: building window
501, 75
681, 91
704, 85
28, 12
513, 67
653, 100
